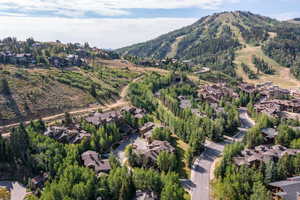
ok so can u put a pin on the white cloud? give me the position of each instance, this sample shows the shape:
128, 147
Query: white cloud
286, 16
108, 7
103, 33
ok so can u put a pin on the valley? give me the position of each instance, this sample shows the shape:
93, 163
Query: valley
208, 111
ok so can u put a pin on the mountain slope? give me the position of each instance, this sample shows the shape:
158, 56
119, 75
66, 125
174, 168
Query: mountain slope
224, 41
211, 41
32, 93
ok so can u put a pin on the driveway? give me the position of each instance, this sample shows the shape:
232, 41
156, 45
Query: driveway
17, 191
133, 139
200, 172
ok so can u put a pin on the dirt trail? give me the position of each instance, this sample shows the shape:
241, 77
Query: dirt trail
120, 63
120, 103
174, 47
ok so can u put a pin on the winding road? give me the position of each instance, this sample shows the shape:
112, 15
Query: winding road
202, 168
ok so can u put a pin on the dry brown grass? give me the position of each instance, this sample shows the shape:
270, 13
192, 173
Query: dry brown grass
282, 76
174, 47
118, 63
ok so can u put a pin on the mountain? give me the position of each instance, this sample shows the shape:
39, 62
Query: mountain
295, 20
215, 41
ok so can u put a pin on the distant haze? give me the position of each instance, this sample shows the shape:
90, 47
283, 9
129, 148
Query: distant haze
103, 33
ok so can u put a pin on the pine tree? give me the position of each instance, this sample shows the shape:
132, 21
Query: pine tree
93, 90
270, 172
68, 119
5, 87
260, 192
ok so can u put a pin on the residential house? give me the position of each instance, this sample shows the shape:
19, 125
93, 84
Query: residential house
269, 108
98, 119
269, 134
38, 181
274, 92
153, 149
92, 160
263, 153
145, 195
146, 127
288, 189
184, 102
275, 107
214, 93
8, 57
137, 113
247, 88
67, 135
75, 60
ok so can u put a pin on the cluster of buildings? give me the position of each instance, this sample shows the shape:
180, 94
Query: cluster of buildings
273, 99
70, 60
263, 153
214, 93
163, 62
275, 107
7, 57
67, 135
117, 116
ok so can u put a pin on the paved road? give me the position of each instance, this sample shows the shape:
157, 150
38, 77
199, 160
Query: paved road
17, 191
120, 150
133, 139
200, 172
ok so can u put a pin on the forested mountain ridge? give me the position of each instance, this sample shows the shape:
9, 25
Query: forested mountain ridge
213, 41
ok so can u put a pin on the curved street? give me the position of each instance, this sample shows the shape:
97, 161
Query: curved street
201, 169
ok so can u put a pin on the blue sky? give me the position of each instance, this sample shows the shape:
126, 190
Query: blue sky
115, 23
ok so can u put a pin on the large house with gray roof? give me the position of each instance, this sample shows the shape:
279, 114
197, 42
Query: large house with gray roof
288, 189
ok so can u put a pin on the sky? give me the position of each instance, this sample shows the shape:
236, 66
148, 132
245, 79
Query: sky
117, 23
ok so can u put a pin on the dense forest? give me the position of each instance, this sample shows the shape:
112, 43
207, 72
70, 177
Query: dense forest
284, 48
29, 152
210, 42
253, 180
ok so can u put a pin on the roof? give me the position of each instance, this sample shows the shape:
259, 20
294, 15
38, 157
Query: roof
141, 195
155, 148
290, 188
270, 132
263, 153
107, 117
91, 159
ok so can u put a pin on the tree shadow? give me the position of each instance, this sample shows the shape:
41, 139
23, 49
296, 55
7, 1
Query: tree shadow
12, 104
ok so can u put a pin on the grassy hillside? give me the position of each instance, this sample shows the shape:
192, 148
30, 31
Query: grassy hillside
38, 92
